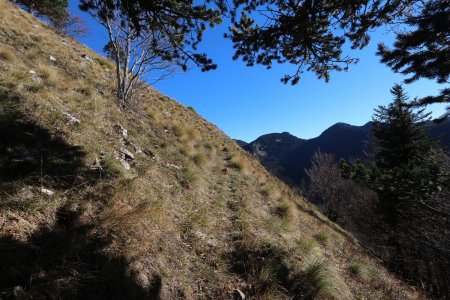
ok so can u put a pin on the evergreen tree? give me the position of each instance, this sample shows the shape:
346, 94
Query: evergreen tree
53, 10
424, 52
403, 171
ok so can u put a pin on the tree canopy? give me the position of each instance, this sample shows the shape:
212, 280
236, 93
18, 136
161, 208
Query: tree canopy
54, 10
180, 23
307, 34
424, 51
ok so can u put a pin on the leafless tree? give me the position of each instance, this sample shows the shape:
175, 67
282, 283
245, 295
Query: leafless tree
72, 26
137, 53
342, 200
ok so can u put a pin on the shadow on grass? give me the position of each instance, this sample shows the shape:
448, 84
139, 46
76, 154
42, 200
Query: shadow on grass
67, 262
266, 274
29, 151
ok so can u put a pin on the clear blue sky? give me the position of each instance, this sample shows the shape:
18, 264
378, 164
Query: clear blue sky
248, 102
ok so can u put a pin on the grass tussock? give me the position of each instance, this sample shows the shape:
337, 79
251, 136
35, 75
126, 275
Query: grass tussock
177, 131
49, 75
322, 237
199, 159
360, 269
113, 167
7, 55
238, 162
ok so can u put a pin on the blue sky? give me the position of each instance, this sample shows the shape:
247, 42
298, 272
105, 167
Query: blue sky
248, 102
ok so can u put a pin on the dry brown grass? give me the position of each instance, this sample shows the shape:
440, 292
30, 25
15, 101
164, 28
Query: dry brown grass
7, 55
192, 211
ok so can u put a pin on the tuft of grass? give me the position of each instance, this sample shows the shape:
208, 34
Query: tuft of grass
237, 163
113, 167
103, 62
199, 159
85, 89
12, 80
322, 237
190, 178
7, 55
177, 130
35, 87
315, 280
208, 146
49, 75
360, 269
282, 208
307, 245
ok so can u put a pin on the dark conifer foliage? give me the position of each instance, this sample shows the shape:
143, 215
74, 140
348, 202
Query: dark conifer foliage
307, 34
403, 168
54, 10
424, 52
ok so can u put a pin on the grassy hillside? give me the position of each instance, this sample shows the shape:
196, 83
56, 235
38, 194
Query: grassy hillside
194, 217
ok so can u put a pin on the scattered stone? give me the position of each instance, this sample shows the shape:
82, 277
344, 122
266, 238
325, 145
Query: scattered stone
121, 130
240, 294
25, 159
166, 113
25, 193
86, 57
17, 291
149, 153
125, 164
96, 165
126, 153
173, 166
71, 119
35, 26
137, 149
47, 192
34, 76
52, 58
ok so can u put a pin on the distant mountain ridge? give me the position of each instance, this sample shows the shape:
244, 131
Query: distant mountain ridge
287, 156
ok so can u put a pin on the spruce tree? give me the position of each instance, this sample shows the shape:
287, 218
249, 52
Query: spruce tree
403, 171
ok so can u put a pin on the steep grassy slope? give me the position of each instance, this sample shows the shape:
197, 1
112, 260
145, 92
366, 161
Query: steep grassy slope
194, 217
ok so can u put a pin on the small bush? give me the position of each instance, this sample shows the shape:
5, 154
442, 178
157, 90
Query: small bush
7, 55
191, 109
